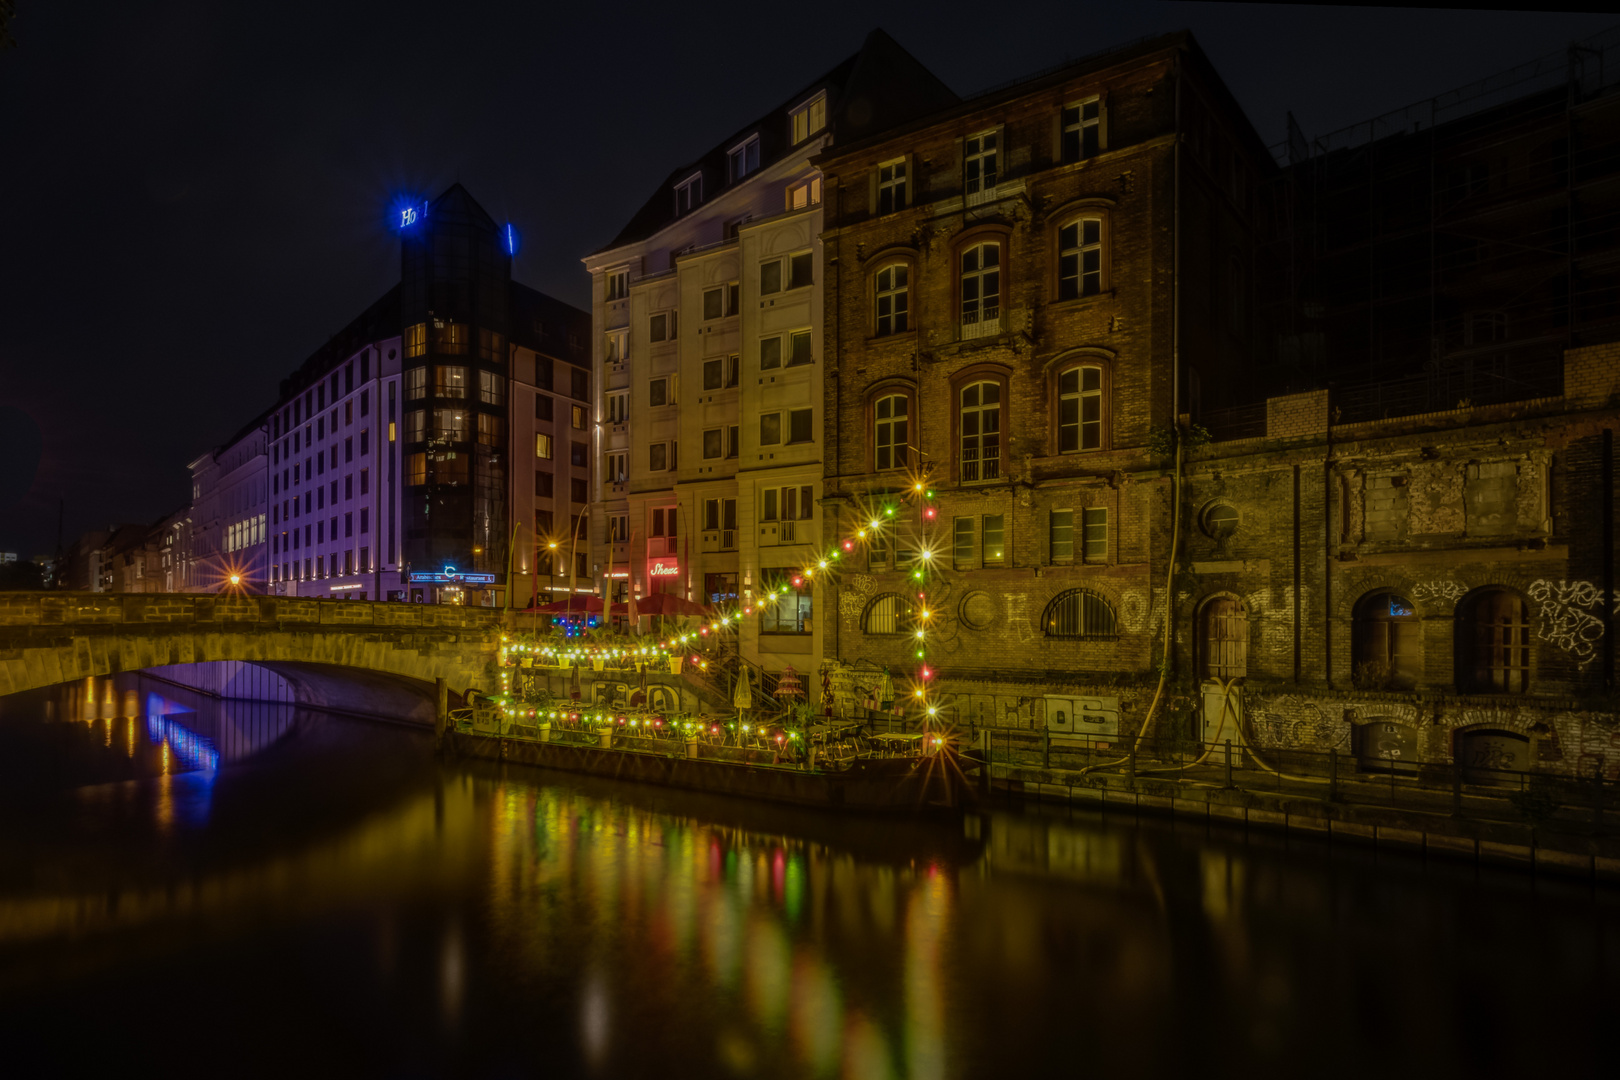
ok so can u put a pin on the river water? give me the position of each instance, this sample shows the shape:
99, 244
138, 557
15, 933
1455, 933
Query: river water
227, 887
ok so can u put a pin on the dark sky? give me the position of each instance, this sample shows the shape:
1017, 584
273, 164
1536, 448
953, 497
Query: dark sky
193, 194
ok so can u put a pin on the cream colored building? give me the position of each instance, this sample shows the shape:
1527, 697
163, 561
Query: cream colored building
707, 316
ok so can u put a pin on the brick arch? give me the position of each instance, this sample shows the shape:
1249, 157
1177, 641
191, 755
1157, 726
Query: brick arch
52, 638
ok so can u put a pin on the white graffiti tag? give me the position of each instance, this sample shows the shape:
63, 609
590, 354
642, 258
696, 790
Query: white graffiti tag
1428, 591
1565, 618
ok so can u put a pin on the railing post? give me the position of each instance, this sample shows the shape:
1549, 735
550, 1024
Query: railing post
1456, 789
1333, 774
1228, 763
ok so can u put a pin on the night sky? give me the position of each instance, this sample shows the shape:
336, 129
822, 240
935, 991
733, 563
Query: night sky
193, 195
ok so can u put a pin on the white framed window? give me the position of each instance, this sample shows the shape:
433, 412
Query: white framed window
616, 284
770, 276
893, 299
979, 160
616, 346
617, 465
659, 392
743, 159
721, 301
688, 193
713, 443
1080, 259
891, 186
890, 426
1081, 135
805, 193
980, 424
661, 326
720, 373
618, 406
981, 284
809, 118
799, 348
1080, 409
796, 503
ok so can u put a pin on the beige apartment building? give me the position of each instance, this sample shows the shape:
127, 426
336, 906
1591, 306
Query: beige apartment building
707, 320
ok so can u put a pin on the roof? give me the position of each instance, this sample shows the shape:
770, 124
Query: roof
379, 321
871, 91
549, 326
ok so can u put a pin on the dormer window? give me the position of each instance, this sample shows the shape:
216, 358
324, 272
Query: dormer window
688, 193
743, 158
809, 118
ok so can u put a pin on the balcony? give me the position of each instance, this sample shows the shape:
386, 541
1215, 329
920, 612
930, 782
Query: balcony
976, 326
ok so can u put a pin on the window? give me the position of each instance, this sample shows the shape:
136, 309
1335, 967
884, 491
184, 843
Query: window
790, 613
542, 446
1060, 536
770, 353
616, 346
800, 425
1080, 409
964, 533
804, 193
490, 430
491, 388
579, 385
1094, 534
720, 587
733, 439
1384, 645
688, 194
799, 348
1082, 130
1493, 644
543, 373
719, 514
714, 303
658, 457
348, 525
1220, 521
743, 159
450, 381
1079, 614
416, 425
796, 503
891, 186
1223, 639
1080, 259
770, 429
981, 284
577, 491
979, 164
577, 454
617, 467
416, 340
889, 432
713, 443
618, 528
658, 393
618, 407
543, 484
770, 277
734, 226
450, 339
981, 432
542, 407
451, 424
578, 417
809, 118
416, 469
801, 270
893, 299
617, 284
365, 402
994, 537
365, 441
888, 613
720, 373
415, 384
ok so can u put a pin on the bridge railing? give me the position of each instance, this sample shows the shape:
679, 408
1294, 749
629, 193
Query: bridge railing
28, 609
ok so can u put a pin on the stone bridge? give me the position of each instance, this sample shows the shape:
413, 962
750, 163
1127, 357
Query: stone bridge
336, 652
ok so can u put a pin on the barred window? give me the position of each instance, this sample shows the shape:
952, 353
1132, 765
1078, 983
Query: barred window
1079, 614
888, 613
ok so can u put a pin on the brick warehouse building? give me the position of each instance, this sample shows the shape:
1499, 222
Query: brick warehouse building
1431, 587
1020, 289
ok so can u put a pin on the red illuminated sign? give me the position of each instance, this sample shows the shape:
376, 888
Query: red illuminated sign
666, 566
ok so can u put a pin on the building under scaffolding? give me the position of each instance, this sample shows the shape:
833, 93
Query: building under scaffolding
1449, 252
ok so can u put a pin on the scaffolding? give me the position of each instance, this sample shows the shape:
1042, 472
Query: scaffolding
1447, 253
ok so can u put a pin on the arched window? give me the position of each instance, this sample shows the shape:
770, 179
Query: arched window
981, 283
981, 431
1385, 648
893, 299
1079, 614
1223, 639
1080, 409
1080, 258
1493, 643
888, 613
890, 429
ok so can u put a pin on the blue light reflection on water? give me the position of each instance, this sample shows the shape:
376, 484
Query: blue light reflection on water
186, 794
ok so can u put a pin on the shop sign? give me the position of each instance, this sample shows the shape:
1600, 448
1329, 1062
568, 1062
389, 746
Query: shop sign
666, 566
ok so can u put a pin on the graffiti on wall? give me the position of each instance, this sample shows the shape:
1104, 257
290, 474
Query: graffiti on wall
1428, 592
1566, 616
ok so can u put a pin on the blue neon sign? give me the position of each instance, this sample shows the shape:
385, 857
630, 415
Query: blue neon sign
511, 239
410, 215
